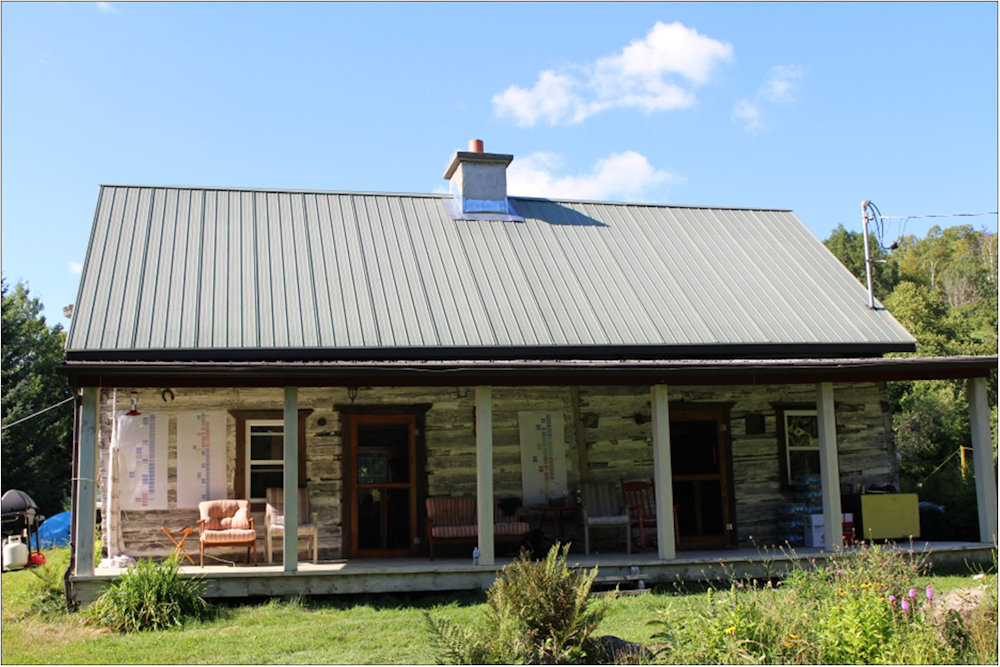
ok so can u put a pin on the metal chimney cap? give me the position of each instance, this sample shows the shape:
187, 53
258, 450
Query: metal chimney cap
476, 158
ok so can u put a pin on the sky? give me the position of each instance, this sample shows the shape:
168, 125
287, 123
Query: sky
813, 107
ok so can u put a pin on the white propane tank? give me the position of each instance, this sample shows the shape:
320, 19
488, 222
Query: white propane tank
15, 553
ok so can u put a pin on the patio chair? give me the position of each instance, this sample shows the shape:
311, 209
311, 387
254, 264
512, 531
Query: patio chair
274, 520
640, 499
226, 523
602, 507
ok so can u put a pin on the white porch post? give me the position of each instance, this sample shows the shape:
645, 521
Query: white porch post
982, 459
662, 473
86, 471
290, 544
484, 473
829, 468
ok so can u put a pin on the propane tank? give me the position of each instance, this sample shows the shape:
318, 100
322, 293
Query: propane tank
15, 553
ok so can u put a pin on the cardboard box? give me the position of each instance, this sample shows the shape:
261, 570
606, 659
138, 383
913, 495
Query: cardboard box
813, 532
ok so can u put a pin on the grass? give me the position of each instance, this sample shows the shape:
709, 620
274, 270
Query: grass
338, 630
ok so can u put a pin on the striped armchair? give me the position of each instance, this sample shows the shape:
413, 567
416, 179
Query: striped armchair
453, 519
226, 523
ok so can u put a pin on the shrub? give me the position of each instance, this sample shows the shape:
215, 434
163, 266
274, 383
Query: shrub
537, 613
863, 607
47, 591
149, 596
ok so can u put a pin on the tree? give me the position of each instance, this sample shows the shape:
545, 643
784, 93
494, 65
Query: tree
849, 248
37, 452
943, 289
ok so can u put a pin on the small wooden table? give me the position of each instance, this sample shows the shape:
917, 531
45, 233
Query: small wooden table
178, 537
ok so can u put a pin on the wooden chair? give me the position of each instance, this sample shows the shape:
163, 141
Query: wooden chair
602, 507
274, 520
640, 498
226, 523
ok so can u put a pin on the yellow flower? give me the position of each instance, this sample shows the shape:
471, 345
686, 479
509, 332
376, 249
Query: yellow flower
793, 636
731, 629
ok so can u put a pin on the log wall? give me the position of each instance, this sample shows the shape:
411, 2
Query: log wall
608, 437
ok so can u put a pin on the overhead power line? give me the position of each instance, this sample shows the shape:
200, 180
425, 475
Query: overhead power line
24, 419
937, 215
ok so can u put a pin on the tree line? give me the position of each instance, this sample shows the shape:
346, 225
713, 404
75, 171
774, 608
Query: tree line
943, 289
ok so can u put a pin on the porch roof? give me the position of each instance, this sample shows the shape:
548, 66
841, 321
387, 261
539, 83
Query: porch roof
521, 372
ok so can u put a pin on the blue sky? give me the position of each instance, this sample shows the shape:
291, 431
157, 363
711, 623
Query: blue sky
813, 107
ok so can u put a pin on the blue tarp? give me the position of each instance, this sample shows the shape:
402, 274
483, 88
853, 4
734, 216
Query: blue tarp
54, 531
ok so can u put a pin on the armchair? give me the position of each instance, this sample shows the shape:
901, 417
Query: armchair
226, 523
274, 520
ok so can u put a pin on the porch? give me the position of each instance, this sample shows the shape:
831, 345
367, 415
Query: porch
410, 575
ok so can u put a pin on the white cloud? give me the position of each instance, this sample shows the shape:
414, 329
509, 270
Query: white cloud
780, 87
747, 113
106, 7
76, 268
781, 83
551, 99
655, 73
627, 175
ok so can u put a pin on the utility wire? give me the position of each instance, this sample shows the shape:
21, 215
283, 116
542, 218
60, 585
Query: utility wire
936, 215
24, 419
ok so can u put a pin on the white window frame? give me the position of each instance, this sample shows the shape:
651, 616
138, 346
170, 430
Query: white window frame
250, 462
788, 447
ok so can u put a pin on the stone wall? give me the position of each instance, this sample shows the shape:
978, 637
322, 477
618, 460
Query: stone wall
608, 437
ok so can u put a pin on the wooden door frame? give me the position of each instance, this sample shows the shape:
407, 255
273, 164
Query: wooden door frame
354, 419
719, 413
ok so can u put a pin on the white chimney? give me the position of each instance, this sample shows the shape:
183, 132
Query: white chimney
479, 180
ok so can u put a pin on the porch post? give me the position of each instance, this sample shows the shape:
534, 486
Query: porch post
484, 473
84, 510
290, 544
982, 459
829, 468
662, 473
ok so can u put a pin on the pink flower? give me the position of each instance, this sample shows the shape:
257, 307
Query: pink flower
912, 593
904, 605
930, 592
892, 601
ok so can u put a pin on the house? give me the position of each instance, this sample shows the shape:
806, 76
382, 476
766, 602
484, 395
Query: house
378, 349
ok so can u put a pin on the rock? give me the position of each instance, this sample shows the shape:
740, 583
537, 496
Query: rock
616, 650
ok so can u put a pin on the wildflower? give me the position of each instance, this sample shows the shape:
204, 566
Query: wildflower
904, 605
930, 592
731, 629
912, 594
892, 601
841, 571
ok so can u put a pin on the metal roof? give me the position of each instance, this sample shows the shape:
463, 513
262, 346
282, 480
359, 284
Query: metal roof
218, 271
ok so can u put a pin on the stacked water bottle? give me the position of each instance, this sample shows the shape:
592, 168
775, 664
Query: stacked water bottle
792, 517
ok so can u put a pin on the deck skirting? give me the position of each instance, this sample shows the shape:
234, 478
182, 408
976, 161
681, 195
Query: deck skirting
356, 576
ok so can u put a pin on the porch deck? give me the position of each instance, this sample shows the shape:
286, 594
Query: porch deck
353, 576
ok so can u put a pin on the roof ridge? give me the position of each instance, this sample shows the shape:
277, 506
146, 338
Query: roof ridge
438, 195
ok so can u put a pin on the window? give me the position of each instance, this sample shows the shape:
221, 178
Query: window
265, 457
260, 446
799, 439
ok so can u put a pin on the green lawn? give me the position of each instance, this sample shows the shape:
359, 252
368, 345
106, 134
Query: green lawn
347, 630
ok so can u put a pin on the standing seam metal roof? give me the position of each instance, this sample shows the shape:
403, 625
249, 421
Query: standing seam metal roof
172, 268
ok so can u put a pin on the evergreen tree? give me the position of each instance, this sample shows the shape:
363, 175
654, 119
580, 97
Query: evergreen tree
37, 452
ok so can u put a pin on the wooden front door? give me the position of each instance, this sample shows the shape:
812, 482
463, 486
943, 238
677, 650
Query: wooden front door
700, 468
382, 489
